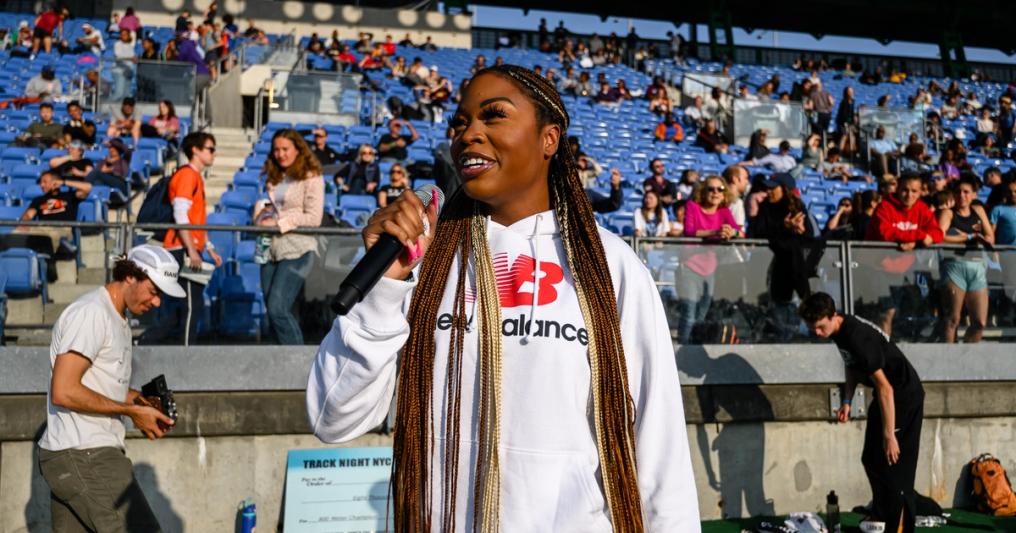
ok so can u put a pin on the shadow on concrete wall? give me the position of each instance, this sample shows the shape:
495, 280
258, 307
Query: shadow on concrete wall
37, 516
160, 504
740, 443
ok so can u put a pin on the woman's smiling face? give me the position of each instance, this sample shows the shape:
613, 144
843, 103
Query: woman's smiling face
501, 151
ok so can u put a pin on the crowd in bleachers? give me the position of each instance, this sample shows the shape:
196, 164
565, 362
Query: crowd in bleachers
653, 166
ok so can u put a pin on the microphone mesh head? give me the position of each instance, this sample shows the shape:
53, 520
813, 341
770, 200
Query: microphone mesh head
424, 194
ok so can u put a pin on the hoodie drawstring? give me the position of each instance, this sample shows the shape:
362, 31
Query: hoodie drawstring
534, 241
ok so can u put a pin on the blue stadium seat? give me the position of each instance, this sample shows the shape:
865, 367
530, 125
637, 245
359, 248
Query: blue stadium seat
245, 251
26, 272
357, 201
241, 303
238, 202
224, 241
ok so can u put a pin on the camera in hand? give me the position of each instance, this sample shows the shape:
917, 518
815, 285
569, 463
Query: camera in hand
158, 395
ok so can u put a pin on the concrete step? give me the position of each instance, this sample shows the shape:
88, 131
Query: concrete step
30, 336
53, 311
27, 310
94, 259
67, 271
61, 292
92, 276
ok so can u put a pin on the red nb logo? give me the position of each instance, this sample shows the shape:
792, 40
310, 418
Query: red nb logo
516, 283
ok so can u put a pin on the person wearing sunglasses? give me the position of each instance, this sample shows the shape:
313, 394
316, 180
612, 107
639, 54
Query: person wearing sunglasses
398, 184
360, 176
178, 317
708, 217
326, 155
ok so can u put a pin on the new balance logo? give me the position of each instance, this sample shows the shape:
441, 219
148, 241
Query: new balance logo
516, 283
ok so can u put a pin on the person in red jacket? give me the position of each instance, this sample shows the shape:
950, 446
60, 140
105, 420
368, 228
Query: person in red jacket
904, 219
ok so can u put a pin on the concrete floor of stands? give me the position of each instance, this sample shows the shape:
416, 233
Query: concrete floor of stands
29, 320
959, 521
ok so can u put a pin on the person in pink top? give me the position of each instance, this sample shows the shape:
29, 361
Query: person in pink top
130, 21
707, 217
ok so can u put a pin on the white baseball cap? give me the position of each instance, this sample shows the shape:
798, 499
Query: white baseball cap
161, 267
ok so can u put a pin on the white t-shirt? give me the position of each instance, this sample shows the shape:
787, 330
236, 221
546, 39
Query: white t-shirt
652, 227
92, 327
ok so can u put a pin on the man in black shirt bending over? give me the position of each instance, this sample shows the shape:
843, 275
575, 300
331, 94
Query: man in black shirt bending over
893, 434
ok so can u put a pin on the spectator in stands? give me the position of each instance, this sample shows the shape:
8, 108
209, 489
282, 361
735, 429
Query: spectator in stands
91, 41
398, 183
1006, 122
169, 52
996, 184
184, 18
847, 122
613, 200
949, 164
344, 60
904, 219
126, 64
965, 274
710, 138
77, 126
130, 21
428, 45
688, 184
187, 50
113, 171
622, 90
440, 87
834, 168
950, 108
738, 180
669, 129
393, 145
585, 85
706, 216
296, 197
43, 133
665, 189
651, 219
47, 25
783, 220
882, 150
840, 225
178, 317
1003, 216
608, 95
812, 155
44, 86
55, 205
915, 159
150, 50
124, 123
229, 26
984, 123
407, 42
325, 154
656, 88
589, 169
73, 165
360, 176
822, 102
211, 43
887, 185
717, 105
569, 82
399, 68
757, 148
745, 94
660, 104
164, 125
388, 46
866, 203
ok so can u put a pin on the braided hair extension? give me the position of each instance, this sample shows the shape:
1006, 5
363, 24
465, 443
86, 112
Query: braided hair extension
462, 230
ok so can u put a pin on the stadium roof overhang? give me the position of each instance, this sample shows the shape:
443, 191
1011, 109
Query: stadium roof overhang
979, 23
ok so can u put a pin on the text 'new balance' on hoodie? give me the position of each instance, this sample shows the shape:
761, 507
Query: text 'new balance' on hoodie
550, 479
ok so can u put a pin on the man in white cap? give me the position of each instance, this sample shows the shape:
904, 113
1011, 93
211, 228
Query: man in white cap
81, 454
90, 41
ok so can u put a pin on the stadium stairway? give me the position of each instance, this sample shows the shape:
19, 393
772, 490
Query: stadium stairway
232, 145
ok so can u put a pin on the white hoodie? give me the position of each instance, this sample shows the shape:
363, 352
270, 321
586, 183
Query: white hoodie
550, 478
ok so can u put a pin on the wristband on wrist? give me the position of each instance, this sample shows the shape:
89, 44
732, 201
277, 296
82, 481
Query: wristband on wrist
846, 402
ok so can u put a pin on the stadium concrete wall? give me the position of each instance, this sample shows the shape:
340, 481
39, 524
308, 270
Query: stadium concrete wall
758, 421
322, 17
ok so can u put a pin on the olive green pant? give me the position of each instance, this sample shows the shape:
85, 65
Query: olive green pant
95, 491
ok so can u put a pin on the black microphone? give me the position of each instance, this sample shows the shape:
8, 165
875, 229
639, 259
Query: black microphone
376, 261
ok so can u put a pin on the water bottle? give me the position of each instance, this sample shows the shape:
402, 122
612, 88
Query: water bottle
261, 245
833, 512
264, 240
248, 516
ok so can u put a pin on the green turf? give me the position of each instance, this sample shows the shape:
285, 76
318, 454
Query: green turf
964, 521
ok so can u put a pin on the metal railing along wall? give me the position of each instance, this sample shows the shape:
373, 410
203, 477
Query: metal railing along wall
712, 292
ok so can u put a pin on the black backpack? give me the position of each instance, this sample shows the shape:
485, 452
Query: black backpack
156, 209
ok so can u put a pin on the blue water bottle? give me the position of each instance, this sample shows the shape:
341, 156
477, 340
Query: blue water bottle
248, 516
